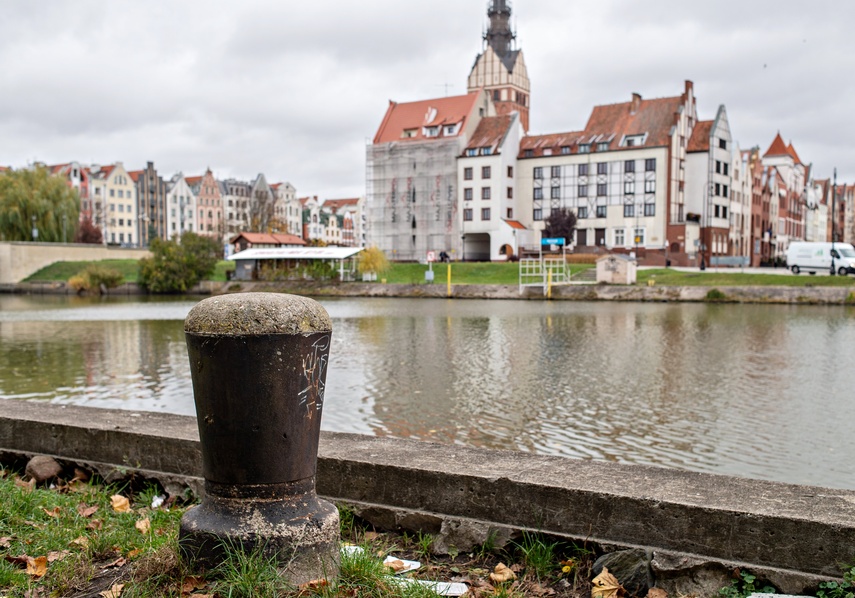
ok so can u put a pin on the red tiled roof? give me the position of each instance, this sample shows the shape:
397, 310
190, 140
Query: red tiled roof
56, 168
269, 238
192, 180
792, 152
700, 139
135, 175
425, 113
4, 168
516, 224
490, 132
304, 200
778, 147
340, 203
105, 171
554, 141
653, 117
275, 185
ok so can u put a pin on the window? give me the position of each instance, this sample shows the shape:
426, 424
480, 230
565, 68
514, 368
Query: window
538, 192
450, 129
718, 166
471, 152
629, 166
467, 214
602, 189
726, 168
555, 172
717, 211
528, 153
718, 189
121, 222
722, 143
538, 172
628, 210
510, 171
409, 133
650, 165
467, 193
510, 192
629, 187
510, 213
565, 149
582, 212
583, 170
650, 209
112, 193
650, 186
620, 237
601, 211
538, 214
724, 211
431, 131
485, 193
584, 148
582, 191
634, 140
555, 193
602, 168
602, 146
639, 236
485, 214
724, 190
467, 173
547, 151
485, 172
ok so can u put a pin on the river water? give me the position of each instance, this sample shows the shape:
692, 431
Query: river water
756, 391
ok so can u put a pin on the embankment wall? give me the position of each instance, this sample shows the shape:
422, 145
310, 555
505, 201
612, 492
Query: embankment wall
19, 259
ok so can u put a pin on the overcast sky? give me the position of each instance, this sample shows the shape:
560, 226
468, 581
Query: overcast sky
296, 89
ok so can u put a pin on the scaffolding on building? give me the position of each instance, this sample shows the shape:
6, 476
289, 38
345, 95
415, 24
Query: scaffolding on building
411, 198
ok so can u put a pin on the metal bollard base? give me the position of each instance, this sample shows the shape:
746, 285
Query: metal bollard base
300, 532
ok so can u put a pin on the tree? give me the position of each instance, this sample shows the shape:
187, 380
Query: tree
561, 224
88, 233
33, 199
372, 261
177, 265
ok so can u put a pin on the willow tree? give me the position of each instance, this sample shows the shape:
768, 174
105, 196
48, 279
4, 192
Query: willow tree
32, 198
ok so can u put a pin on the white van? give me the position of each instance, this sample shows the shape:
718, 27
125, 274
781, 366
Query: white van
817, 257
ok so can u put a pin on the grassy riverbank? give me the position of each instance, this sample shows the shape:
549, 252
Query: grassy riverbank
485, 273
81, 537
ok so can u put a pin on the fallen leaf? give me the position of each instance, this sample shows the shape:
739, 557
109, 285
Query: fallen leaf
113, 592
605, 585
37, 567
314, 585
81, 541
120, 503
57, 555
657, 593
117, 563
395, 565
85, 510
20, 561
26, 486
5, 542
370, 536
143, 525
192, 583
133, 553
80, 475
53, 512
502, 573
95, 524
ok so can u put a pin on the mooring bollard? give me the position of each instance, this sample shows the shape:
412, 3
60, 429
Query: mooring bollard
258, 363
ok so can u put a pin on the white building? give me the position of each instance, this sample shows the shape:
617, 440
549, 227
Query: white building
180, 207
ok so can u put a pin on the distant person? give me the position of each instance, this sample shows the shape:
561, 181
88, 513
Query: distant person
443, 257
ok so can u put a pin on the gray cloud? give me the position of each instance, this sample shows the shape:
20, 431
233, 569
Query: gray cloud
294, 90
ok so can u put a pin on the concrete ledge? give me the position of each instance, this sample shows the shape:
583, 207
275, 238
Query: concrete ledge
793, 533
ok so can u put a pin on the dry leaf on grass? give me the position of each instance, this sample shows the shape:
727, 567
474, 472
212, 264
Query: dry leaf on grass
27, 486
606, 585
80, 542
314, 585
143, 525
37, 567
117, 563
113, 592
57, 555
133, 553
192, 583
120, 503
95, 524
657, 593
395, 565
5, 542
502, 573
85, 510
54, 512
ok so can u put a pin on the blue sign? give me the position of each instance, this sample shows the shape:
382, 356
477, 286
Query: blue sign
552, 241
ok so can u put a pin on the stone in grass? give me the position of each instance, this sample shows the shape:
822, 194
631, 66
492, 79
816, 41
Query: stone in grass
42, 468
630, 567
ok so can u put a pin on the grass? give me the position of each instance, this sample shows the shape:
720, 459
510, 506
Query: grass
62, 271
505, 273
735, 278
86, 546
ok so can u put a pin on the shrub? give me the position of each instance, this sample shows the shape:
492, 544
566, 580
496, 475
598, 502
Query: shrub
372, 260
95, 278
715, 295
177, 265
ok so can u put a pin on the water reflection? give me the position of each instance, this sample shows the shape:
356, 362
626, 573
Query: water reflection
748, 390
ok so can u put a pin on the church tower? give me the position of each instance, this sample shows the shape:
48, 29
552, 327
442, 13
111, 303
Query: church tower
500, 67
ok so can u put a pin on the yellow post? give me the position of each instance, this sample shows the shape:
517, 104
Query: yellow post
448, 290
549, 284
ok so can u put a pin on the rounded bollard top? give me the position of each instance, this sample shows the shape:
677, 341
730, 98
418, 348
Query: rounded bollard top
251, 314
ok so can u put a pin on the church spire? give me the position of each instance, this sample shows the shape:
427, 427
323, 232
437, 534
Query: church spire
499, 35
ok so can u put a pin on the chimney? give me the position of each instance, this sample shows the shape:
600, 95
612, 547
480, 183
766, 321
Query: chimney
636, 103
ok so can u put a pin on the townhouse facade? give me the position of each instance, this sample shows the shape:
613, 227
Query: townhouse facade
180, 207
115, 204
151, 204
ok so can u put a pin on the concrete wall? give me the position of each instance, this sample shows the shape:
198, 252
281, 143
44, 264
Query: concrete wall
19, 260
792, 535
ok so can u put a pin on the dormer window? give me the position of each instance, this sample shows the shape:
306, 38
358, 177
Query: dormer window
528, 153
547, 151
634, 140
603, 146
584, 148
565, 149
486, 151
409, 133
431, 131
451, 130
471, 152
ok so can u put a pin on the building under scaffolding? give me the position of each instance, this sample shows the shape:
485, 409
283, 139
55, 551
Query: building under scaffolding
411, 174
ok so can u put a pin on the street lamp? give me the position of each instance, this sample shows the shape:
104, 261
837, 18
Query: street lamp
833, 198
35, 229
